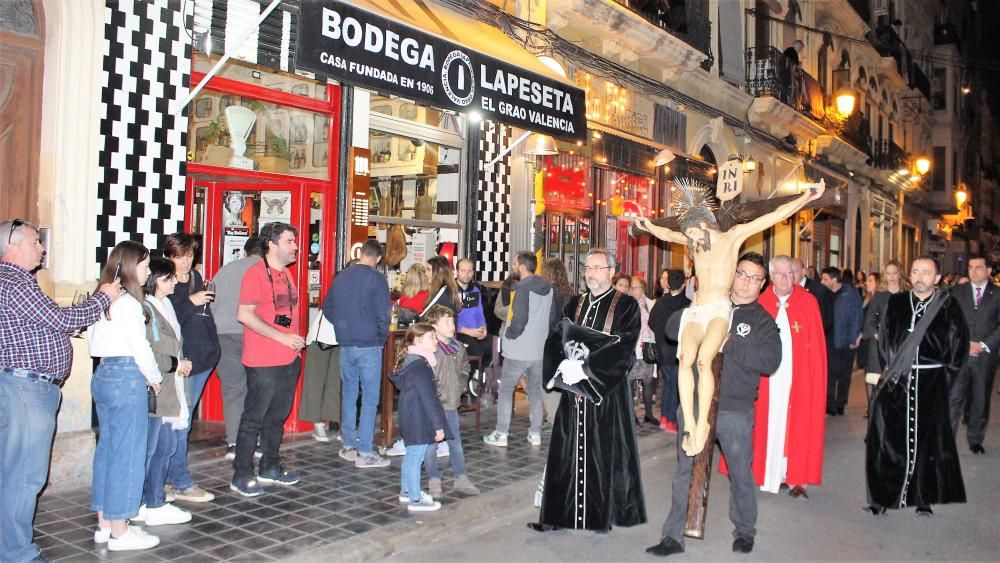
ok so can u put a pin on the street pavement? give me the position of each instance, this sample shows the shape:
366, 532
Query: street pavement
339, 513
829, 526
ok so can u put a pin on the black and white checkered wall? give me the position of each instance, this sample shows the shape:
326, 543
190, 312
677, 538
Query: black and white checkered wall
146, 70
492, 243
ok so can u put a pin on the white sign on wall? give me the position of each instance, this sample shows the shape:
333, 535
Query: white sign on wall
730, 182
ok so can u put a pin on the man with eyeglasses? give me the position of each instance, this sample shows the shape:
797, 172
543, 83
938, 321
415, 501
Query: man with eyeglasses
789, 420
35, 358
592, 478
714, 249
753, 348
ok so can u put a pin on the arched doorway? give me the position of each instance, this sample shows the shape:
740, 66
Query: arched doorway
22, 41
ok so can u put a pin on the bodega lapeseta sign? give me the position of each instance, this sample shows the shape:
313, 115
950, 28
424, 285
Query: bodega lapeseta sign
359, 47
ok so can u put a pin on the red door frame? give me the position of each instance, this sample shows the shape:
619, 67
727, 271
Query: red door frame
217, 179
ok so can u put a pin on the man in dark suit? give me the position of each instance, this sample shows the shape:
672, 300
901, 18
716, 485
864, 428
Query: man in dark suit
980, 302
823, 296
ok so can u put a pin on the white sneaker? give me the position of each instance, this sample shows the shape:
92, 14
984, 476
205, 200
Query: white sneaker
319, 432
397, 449
133, 539
140, 517
167, 514
404, 498
534, 439
424, 505
496, 439
102, 535
443, 450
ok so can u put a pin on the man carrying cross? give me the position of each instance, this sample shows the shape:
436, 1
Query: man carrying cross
789, 417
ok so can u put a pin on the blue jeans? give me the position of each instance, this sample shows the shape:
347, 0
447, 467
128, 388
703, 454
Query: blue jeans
669, 400
178, 474
360, 367
410, 472
119, 391
27, 423
162, 445
456, 454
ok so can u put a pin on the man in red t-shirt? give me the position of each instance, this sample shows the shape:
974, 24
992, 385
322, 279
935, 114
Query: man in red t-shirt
268, 310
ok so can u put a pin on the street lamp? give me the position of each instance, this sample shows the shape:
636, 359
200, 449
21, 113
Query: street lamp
923, 165
843, 93
961, 196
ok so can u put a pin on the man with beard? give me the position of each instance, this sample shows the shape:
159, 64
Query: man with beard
268, 310
470, 324
911, 455
592, 479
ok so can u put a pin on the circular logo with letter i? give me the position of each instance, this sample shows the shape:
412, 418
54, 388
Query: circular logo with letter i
458, 78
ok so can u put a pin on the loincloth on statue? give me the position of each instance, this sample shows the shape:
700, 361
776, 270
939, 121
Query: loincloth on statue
703, 315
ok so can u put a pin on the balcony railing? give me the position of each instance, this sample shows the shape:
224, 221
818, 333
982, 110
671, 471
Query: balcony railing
856, 132
684, 20
769, 73
920, 81
888, 44
888, 156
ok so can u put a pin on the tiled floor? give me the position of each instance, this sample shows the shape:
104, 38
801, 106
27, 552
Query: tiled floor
333, 501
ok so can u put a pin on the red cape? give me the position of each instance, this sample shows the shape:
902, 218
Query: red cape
806, 424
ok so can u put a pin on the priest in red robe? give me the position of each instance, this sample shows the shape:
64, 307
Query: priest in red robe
789, 415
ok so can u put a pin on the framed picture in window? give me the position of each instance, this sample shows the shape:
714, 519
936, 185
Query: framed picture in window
321, 128
299, 129
319, 156
203, 108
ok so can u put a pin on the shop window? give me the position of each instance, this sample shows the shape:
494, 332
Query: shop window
280, 139
413, 179
424, 115
262, 76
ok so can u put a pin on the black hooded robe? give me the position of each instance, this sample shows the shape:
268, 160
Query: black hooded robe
592, 478
911, 455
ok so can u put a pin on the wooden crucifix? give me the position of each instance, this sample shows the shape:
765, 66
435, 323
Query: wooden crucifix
713, 239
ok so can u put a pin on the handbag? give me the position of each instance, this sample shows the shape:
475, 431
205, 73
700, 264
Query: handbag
650, 355
322, 333
150, 400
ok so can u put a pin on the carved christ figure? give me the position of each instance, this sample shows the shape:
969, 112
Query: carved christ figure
714, 250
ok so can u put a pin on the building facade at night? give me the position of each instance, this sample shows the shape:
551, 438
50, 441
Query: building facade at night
480, 128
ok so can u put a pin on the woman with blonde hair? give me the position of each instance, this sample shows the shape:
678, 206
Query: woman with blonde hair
891, 281
415, 287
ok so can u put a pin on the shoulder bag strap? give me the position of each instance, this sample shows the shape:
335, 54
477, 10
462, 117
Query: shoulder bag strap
152, 320
902, 362
435, 300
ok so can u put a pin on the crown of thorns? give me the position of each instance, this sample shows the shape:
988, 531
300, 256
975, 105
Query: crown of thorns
693, 202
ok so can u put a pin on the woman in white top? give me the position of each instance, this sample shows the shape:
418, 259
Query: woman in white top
119, 390
641, 371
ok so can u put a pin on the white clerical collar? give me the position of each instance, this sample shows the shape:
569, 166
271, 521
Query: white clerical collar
592, 298
782, 298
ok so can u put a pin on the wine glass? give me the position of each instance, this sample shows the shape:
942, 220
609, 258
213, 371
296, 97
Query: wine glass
209, 288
